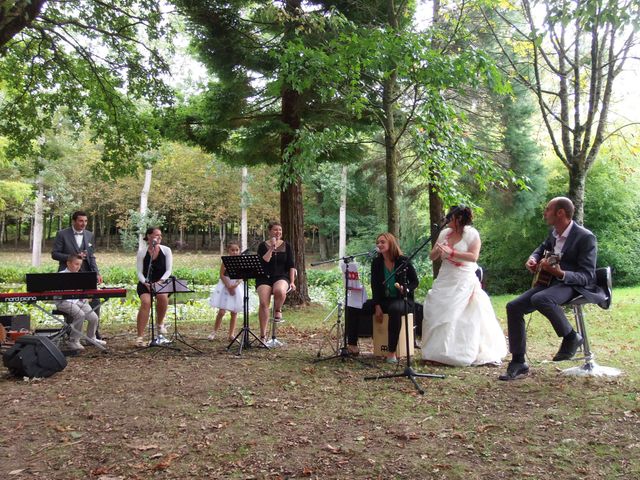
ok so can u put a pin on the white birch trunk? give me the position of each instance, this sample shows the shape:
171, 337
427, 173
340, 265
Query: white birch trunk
144, 200
342, 242
223, 236
244, 200
36, 238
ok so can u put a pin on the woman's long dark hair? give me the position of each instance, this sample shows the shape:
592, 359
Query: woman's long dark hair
462, 213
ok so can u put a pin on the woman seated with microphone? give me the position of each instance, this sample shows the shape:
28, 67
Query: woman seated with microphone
280, 274
387, 295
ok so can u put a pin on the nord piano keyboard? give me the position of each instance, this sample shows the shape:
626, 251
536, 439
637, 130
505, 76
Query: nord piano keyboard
26, 297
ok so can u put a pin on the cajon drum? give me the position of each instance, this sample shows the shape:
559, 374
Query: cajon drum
381, 337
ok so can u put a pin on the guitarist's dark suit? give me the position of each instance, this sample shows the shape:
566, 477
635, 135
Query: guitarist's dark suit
578, 261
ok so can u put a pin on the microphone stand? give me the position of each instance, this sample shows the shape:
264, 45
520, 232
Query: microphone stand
94, 303
160, 340
344, 351
408, 371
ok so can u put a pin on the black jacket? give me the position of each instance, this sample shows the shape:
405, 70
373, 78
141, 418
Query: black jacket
378, 276
578, 261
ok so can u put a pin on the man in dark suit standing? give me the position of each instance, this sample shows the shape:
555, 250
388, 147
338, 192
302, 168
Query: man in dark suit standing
574, 273
79, 241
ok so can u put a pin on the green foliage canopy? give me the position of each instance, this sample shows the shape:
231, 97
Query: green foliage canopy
95, 60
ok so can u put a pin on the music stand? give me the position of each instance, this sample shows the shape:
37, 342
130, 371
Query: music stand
173, 285
244, 267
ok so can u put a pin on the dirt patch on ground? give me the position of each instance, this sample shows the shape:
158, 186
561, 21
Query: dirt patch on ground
275, 414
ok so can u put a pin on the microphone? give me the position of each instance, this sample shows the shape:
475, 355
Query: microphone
154, 242
374, 253
273, 243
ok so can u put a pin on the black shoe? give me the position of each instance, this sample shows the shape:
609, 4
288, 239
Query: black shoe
515, 370
568, 348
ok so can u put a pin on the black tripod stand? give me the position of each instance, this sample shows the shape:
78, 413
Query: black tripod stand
158, 341
174, 286
408, 371
244, 267
344, 351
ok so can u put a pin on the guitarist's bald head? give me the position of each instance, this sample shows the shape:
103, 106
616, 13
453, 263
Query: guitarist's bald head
563, 203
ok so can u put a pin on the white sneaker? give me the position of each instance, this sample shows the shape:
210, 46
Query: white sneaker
162, 329
212, 337
140, 342
98, 341
74, 345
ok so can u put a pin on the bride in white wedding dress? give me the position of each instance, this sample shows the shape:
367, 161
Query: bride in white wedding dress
460, 327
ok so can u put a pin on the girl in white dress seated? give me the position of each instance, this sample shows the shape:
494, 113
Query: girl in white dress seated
227, 297
460, 327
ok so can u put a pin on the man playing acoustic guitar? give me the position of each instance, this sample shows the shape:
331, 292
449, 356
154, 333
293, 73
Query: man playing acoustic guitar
571, 265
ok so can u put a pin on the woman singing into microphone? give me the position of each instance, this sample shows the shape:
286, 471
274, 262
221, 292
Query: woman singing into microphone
277, 260
387, 293
161, 260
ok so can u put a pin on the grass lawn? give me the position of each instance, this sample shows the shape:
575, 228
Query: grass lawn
133, 414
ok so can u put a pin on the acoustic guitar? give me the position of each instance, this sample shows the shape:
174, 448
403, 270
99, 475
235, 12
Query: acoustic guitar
542, 278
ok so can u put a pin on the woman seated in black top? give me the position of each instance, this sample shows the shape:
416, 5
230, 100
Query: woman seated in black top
277, 261
161, 259
387, 295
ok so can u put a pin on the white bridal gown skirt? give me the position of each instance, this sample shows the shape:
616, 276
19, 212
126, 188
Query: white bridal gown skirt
460, 327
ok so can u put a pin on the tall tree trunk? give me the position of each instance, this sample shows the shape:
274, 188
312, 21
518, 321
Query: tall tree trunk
291, 207
50, 225
18, 231
244, 205
144, 200
38, 217
223, 235
292, 218
436, 212
391, 153
3, 223
436, 206
577, 182
322, 237
322, 245
108, 230
342, 243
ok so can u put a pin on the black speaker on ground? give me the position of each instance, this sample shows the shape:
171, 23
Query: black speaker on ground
34, 356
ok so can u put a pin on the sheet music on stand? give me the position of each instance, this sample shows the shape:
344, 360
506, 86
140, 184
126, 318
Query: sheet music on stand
173, 285
244, 267
356, 292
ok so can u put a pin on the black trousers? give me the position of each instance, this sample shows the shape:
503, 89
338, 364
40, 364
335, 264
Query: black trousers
547, 301
359, 322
